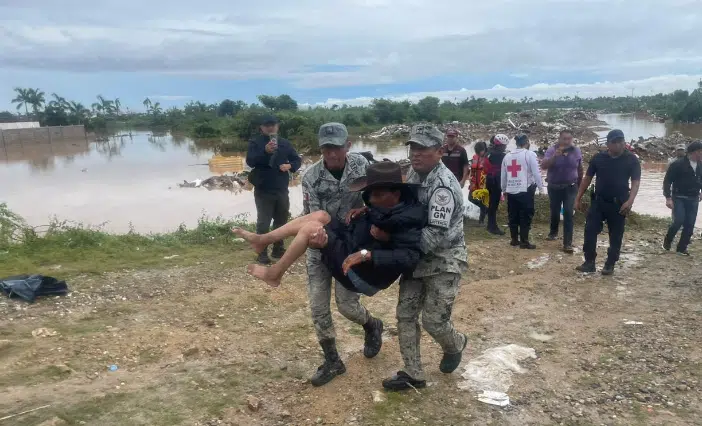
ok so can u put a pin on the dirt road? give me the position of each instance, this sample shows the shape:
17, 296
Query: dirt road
205, 345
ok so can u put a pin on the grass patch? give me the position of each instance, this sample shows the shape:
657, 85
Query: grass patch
75, 249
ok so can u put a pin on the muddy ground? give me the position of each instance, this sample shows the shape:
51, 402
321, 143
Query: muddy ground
205, 345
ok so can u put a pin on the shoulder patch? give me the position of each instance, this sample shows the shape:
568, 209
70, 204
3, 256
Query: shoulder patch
441, 207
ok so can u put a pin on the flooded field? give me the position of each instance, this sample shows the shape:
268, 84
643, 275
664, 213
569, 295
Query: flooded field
131, 181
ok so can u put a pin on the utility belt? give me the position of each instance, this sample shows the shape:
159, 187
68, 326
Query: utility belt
606, 200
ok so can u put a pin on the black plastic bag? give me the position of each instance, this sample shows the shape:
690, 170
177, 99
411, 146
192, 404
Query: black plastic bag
29, 287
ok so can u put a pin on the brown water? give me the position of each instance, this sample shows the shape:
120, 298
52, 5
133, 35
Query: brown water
132, 181
650, 199
129, 182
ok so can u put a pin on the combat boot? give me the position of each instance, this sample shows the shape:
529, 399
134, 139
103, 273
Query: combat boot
403, 381
263, 258
374, 337
450, 362
278, 251
332, 366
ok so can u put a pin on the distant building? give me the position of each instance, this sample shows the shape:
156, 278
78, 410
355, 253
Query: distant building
20, 125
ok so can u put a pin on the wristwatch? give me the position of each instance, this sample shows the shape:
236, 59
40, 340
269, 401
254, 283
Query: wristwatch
364, 253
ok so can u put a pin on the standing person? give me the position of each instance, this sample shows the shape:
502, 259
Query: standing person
680, 152
432, 289
611, 201
455, 157
326, 186
520, 178
272, 159
478, 177
564, 164
685, 177
496, 153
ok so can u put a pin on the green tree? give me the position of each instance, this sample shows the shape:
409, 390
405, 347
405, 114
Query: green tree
278, 103
7, 117
229, 108
37, 100
23, 99
147, 104
427, 109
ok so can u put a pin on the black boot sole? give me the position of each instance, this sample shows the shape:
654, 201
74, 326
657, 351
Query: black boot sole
323, 380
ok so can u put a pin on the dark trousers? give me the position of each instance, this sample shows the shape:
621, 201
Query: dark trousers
562, 198
599, 213
685, 216
520, 209
273, 206
483, 209
495, 194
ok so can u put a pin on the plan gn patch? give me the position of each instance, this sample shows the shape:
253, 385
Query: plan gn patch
441, 206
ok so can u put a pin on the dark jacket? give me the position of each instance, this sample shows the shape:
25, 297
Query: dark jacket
266, 175
685, 182
493, 169
390, 259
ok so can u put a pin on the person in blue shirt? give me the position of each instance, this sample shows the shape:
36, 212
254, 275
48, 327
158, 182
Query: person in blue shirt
272, 159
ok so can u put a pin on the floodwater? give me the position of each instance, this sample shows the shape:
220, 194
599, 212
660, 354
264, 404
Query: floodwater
131, 181
635, 127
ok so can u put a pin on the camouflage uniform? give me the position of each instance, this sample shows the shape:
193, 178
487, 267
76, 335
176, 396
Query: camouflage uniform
322, 191
434, 284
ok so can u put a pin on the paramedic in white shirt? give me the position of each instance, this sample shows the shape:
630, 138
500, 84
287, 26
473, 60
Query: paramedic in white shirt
520, 178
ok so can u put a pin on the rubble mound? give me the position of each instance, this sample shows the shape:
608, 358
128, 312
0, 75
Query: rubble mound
660, 149
542, 126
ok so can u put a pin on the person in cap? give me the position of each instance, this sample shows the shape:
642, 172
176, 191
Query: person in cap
370, 252
272, 160
496, 153
680, 152
682, 188
520, 178
611, 201
564, 165
326, 186
455, 157
433, 286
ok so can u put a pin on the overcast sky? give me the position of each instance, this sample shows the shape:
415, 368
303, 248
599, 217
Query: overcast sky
346, 50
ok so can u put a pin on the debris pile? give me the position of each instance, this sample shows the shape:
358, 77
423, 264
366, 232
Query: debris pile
235, 182
542, 126
660, 148
651, 149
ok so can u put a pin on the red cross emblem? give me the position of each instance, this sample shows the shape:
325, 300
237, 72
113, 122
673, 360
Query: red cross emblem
514, 168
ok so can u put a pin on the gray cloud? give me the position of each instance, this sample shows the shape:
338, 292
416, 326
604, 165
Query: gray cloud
387, 41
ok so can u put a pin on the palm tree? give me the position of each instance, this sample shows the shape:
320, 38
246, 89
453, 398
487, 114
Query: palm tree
104, 105
58, 102
77, 110
23, 99
156, 109
147, 104
37, 100
118, 105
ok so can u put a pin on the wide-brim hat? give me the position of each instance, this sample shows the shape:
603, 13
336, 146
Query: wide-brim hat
381, 174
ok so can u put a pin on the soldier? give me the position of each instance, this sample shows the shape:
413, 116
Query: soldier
325, 186
433, 286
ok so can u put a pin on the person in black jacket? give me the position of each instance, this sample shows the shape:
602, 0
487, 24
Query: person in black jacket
272, 160
684, 175
369, 252
496, 153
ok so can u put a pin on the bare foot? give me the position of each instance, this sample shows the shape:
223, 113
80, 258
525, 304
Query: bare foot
252, 238
264, 273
